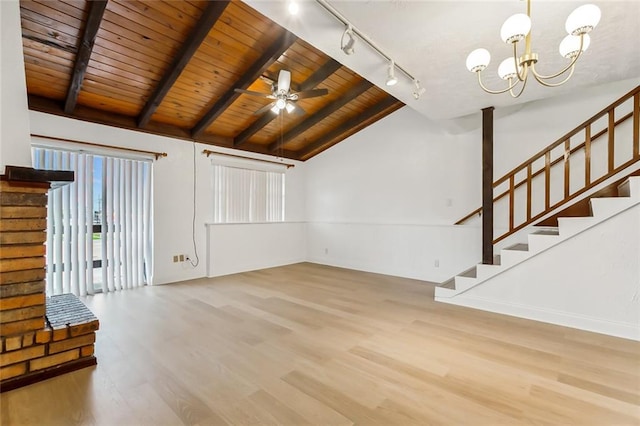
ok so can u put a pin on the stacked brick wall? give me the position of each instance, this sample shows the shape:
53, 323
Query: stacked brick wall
23, 223
37, 334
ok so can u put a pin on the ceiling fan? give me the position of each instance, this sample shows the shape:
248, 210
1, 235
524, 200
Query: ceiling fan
283, 98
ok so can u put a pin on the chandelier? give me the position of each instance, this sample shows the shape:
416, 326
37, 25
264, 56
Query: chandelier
518, 68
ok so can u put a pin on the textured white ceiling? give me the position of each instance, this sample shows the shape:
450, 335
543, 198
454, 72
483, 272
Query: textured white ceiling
431, 40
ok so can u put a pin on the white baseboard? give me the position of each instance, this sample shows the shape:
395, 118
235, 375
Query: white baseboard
567, 319
237, 269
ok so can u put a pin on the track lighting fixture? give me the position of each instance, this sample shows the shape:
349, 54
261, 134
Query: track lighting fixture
348, 40
392, 80
347, 47
419, 90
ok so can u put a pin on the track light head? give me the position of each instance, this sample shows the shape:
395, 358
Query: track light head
392, 80
347, 46
419, 91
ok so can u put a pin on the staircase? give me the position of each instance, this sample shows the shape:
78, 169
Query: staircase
543, 239
584, 272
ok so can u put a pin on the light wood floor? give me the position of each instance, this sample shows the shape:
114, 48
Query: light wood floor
310, 344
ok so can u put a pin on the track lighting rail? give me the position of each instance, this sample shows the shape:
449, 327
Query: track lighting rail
332, 11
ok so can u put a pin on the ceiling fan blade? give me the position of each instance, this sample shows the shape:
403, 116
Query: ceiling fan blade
264, 109
252, 93
284, 81
305, 94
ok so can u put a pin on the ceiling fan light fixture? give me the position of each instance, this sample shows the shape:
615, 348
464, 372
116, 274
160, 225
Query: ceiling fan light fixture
281, 103
392, 80
348, 45
290, 107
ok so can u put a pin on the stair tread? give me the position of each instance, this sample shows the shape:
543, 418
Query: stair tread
547, 232
518, 247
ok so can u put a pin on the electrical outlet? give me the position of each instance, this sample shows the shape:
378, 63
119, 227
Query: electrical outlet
436, 263
175, 259
182, 258
326, 251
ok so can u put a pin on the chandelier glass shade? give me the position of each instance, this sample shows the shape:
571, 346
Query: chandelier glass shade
517, 68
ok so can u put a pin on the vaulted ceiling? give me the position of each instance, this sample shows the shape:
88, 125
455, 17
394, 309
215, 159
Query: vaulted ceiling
171, 67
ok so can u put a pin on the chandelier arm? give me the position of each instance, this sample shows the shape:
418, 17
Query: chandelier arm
495, 92
547, 84
540, 77
522, 77
524, 84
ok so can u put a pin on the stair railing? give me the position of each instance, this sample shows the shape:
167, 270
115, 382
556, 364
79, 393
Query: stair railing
545, 156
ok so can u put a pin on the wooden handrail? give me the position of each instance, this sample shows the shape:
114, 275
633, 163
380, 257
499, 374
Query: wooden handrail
535, 174
568, 135
566, 200
586, 145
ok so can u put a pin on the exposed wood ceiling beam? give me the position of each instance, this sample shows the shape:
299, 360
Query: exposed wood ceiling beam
83, 113
209, 17
268, 57
96, 11
316, 78
348, 125
314, 119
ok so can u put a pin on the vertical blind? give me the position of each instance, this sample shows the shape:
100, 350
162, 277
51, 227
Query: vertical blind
243, 195
98, 227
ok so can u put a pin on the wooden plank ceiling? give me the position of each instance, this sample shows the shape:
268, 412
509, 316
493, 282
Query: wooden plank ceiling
171, 67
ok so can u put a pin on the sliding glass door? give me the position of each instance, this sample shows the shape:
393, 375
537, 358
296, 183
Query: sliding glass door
99, 228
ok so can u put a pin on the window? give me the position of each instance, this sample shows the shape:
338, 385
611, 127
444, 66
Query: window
98, 227
242, 195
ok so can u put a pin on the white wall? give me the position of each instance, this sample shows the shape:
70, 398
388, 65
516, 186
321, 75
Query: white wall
234, 248
173, 196
385, 199
590, 281
244, 247
14, 118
